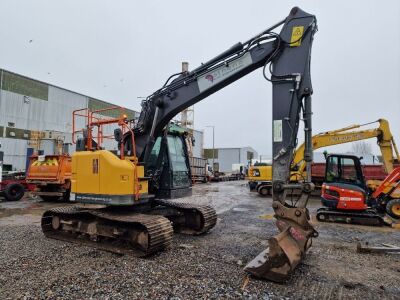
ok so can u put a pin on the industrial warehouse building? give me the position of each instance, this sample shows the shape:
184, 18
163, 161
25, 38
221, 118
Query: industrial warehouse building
29, 107
229, 159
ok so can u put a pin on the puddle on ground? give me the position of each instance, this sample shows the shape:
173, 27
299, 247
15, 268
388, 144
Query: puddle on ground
240, 209
209, 190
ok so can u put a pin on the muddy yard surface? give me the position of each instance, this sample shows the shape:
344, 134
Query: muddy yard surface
205, 267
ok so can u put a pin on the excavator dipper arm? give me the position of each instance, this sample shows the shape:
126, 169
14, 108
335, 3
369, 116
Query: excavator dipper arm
288, 248
287, 58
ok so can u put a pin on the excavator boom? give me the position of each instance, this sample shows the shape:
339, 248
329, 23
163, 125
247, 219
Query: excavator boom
382, 133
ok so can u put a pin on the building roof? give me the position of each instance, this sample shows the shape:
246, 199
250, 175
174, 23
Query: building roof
49, 84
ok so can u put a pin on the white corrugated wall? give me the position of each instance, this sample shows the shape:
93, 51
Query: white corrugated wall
14, 152
36, 114
58, 113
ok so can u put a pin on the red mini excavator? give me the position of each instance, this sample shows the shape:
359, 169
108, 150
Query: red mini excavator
346, 198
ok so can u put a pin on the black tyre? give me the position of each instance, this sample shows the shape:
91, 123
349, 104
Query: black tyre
393, 208
14, 192
263, 191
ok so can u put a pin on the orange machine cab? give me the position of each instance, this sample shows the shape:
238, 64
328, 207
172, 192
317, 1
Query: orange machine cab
344, 187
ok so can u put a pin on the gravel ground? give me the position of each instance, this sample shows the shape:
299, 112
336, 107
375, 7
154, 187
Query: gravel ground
206, 267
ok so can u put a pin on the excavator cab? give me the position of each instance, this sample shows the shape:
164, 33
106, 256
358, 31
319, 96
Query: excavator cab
168, 166
344, 186
344, 169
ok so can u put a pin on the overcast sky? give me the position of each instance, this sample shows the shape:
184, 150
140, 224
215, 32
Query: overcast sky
119, 50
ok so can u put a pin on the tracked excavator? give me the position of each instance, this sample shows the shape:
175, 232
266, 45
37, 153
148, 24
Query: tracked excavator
347, 199
260, 178
135, 187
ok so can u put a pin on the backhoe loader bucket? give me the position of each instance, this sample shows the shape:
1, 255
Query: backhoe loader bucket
285, 250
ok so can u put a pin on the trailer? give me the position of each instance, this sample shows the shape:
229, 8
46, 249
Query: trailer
373, 174
12, 184
221, 176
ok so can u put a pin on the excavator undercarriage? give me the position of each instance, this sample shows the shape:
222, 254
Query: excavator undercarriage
138, 232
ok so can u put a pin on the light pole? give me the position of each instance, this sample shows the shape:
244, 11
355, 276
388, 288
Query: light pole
213, 140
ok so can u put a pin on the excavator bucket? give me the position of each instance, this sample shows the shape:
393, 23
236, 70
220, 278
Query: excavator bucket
277, 262
285, 250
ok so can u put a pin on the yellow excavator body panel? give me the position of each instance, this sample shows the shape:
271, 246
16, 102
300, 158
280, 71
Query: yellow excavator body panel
260, 173
264, 174
104, 174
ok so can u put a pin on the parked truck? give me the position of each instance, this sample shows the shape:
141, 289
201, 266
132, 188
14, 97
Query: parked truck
199, 169
51, 174
49, 167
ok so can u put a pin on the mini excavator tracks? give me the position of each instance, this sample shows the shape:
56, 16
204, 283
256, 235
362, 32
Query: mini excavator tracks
368, 217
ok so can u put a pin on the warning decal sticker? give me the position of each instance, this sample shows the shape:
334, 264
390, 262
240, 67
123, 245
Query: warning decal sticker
297, 33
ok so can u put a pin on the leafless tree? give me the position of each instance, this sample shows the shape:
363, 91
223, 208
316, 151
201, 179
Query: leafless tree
361, 148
